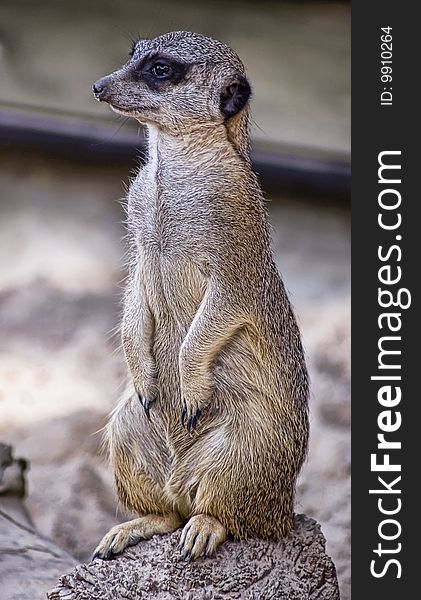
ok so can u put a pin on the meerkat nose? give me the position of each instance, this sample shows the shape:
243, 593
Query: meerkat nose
99, 88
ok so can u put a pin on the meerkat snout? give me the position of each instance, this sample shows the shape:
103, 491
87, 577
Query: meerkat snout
177, 85
99, 88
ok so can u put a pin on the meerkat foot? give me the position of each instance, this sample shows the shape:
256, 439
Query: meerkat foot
130, 533
201, 536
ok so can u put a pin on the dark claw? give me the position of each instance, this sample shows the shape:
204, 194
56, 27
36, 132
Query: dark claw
206, 550
183, 414
106, 556
146, 405
192, 421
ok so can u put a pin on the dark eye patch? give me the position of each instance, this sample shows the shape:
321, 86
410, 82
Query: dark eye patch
150, 68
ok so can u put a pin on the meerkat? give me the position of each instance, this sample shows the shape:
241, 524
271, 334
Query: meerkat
214, 428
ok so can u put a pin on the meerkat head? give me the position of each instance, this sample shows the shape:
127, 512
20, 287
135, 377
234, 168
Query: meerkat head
178, 81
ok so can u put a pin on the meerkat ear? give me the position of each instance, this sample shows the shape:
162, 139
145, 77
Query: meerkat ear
235, 96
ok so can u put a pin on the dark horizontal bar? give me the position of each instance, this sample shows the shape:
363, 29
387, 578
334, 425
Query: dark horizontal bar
74, 138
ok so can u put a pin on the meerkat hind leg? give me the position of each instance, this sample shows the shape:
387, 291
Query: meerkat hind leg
201, 536
130, 533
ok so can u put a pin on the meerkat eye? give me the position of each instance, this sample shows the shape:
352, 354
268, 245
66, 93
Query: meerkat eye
161, 71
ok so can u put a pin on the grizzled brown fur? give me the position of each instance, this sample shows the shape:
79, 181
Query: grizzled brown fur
214, 427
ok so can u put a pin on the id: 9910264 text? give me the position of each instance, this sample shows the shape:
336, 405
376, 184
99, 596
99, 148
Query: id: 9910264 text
386, 96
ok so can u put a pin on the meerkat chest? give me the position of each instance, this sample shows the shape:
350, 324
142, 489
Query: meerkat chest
167, 216
170, 261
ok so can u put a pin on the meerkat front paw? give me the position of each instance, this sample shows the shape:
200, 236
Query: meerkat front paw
189, 418
147, 390
194, 402
147, 402
197, 388
201, 536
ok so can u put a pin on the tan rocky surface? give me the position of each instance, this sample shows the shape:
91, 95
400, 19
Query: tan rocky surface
295, 569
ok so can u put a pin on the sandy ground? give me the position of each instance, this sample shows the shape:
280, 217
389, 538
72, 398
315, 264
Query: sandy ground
61, 368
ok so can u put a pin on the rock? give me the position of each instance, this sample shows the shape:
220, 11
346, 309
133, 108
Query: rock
29, 562
297, 568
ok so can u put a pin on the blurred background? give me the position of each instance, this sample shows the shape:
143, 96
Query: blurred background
64, 164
